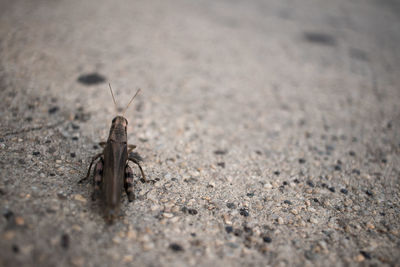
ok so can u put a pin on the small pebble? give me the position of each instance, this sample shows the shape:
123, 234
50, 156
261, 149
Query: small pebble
192, 211
288, 202
280, 220
267, 239
220, 152
168, 215
35, 153
343, 191
313, 220
231, 205
369, 193
332, 189
302, 161
267, 186
277, 173
80, 198
365, 254
243, 212
310, 183
221, 164
229, 229
64, 241
53, 110
176, 247
338, 168
72, 154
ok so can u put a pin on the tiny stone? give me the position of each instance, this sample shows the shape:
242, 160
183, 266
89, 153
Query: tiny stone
310, 183
220, 152
332, 189
231, 205
302, 161
360, 258
294, 211
221, 164
313, 220
19, 220
267, 186
338, 168
243, 212
53, 110
276, 173
352, 153
35, 153
64, 241
287, 202
280, 220
229, 229
192, 211
250, 194
15, 248
369, 193
168, 215
343, 191
176, 247
72, 154
365, 254
267, 239
80, 198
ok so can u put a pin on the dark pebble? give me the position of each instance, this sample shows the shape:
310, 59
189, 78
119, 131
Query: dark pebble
248, 230
332, 189
221, 164
324, 185
64, 241
384, 160
72, 154
258, 152
229, 229
316, 200
75, 138
267, 239
237, 232
220, 152
15, 248
28, 119
285, 183
343, 191
35, 153
367, 255
288, 202
231, 205
53, 110
48, 141
184, 209
193, 234
176, 247
192, 211
8, 214
310, 183
244, 212
302, 161
352, 153
369, 193
75, 126
277, 173
91, 79
95, 146
356, 171
250, 194
338, 168
296, 181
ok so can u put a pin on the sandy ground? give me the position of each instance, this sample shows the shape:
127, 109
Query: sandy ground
270, 128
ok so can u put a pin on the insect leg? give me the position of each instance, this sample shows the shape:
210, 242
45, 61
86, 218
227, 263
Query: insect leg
140, 167
130, 148
90, 166
97, 178
128, 183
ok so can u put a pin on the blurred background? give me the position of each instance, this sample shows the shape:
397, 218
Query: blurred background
271, 129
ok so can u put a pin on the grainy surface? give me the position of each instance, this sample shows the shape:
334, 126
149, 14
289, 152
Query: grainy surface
271, 127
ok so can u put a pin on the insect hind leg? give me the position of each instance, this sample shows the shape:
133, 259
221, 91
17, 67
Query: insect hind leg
128, 183
97, 179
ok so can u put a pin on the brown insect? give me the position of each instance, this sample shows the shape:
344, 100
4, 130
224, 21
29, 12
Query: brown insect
112, 172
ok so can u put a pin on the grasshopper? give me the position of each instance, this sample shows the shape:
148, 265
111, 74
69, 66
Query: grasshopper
112, 172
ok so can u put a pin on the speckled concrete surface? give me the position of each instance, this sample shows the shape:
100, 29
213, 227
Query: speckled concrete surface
271, 129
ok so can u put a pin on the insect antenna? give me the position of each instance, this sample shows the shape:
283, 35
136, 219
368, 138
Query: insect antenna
137, 92
112, 94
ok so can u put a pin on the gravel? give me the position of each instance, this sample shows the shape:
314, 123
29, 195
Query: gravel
269, 130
